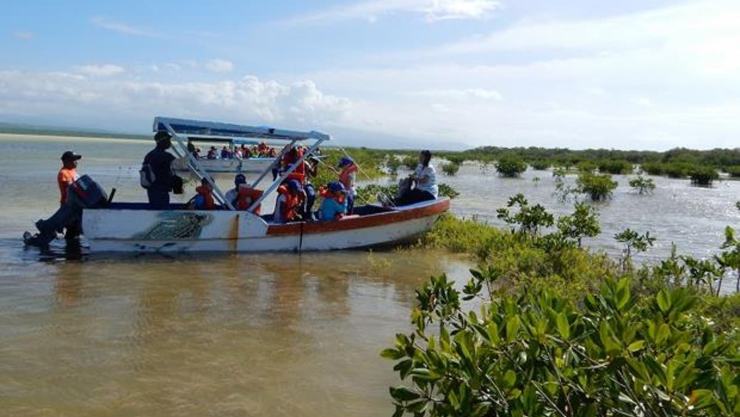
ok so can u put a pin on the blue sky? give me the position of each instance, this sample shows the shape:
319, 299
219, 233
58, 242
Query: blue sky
440, 73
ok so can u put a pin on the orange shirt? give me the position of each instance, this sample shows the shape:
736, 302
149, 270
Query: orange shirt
65, 177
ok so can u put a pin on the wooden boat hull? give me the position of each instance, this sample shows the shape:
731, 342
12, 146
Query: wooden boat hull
137, 230
250, 165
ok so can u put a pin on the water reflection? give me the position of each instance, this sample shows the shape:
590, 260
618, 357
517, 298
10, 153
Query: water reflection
205, 335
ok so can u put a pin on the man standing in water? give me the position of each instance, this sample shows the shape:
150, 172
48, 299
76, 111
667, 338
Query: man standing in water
157, 168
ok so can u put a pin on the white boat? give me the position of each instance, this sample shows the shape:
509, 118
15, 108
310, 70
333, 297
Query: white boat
132, 227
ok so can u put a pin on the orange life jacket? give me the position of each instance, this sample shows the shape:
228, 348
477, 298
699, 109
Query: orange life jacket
326, 193
291, 157
207, 194
289, 209
344, 176
246, 197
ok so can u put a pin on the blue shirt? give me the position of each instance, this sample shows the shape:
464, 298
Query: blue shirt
330, 208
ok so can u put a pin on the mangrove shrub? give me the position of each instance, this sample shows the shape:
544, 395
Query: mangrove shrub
450, 168
597, 186
610, 353
702, 175
510, 166
642, 185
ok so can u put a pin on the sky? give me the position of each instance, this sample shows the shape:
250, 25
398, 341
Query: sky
628, 74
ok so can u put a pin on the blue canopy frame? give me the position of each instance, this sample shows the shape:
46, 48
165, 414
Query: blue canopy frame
181, 129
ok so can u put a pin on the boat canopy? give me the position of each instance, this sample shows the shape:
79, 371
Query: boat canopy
213, 130
233, 141
182, 129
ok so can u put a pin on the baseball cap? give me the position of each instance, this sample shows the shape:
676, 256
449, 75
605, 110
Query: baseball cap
71, 156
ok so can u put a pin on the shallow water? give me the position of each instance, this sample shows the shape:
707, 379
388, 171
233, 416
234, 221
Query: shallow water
244, 334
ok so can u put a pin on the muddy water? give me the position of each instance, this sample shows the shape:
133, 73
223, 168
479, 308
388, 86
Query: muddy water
242, 335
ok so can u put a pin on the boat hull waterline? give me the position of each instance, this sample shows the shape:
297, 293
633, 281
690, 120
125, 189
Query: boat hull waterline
136, 230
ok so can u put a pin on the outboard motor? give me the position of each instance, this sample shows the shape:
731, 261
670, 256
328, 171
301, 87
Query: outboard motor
83, 193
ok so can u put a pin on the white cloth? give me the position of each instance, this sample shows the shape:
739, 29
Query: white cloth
231, 195
426, 179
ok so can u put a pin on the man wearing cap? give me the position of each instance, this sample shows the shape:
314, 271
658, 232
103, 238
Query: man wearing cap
159, 162
68, 174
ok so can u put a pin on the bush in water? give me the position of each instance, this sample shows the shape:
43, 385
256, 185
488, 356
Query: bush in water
540, 164
450, 169
702, 175
510, 166
598, 187
653, 168
642, 185
615, 166
734, 171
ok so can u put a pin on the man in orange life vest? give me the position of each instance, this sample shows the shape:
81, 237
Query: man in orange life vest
67, 176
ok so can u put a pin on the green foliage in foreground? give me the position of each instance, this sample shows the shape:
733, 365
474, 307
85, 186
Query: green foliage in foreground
611, 352
597, 186
510, 166
555, 330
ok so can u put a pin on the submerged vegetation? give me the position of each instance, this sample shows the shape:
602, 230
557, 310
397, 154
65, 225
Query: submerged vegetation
545, 327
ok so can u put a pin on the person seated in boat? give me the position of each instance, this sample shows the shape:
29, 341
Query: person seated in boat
311, 168
203, 199
225, 153
238, 153
289, 201
232, 194
347, 177
271, 153
334, 204
262, 148
65, 178
191, 148
248, 196
246, 153
212, 153
424, 181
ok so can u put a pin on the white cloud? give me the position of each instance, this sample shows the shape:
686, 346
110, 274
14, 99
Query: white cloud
23, 35
460, 9
461, 94
122, 28
431, 10
104, 70
247, 100
219, 65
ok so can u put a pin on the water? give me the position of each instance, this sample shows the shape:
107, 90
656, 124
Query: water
275, 334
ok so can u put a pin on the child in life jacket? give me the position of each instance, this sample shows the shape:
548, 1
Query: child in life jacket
348, 177
288, 204
334, 205
204, 198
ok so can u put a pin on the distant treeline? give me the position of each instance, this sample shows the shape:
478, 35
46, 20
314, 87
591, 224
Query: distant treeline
718, 158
